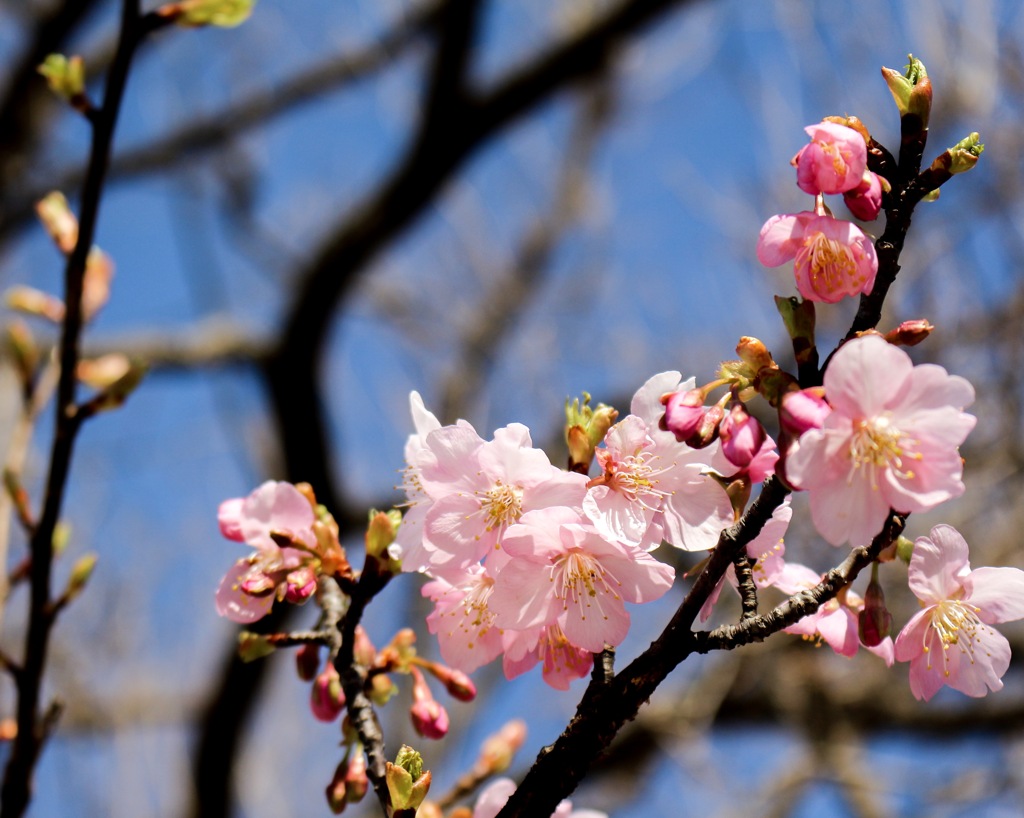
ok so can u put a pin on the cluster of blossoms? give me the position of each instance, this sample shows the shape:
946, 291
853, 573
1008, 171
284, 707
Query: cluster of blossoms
833, 258
535, 563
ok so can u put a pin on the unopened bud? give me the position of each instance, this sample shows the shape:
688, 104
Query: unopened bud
300, 584
962, 156
116, 393
684, 413
363, 650
356, 781
911, 90
874, 622
221, 13
429, 718
754, 353
585, 428
380, 533
381, 689
407, 782
803, 410
81, 571
31, 301
799, 318
66, 78
742, 435
904, 548
499, 749
707, 432
253, 646
910, 333
58, 220
102, 372
458, 684
337, 790
307, 661
326, 698
23, 349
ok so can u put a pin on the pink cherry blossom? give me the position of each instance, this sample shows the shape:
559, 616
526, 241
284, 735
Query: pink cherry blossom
480, 490
833, 162
890, 441
833, 258
248, 590
561, 662
462, 618
408, 541
835, 622
950, 641
652, 485
562, 569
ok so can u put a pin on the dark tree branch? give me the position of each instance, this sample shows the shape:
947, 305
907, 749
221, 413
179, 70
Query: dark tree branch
32, 728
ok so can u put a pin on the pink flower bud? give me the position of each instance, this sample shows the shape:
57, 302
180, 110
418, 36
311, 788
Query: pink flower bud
865, 200
429, 718
307, 661
363, 650
300, 585
337, 790
357, 783
910, 333
742, 436
326, 698
457, 683
707, 432
874, 622
804, 409
256, 583
684, 412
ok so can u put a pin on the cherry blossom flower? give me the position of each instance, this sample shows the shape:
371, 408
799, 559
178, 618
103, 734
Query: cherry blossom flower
835, 622
563, 570
950, 641
481, 489
833, 258
890, 441
248, 590
561, 662
462, 619
496, 794
652, 485
833, 162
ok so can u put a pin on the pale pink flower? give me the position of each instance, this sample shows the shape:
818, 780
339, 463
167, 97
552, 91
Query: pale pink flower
833, 162
561, 662
890, 442
248, 590
833, 258
835, 621
950, 641
653, 485
496, 794
481, 490
462, 619
563, 570
408, 541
